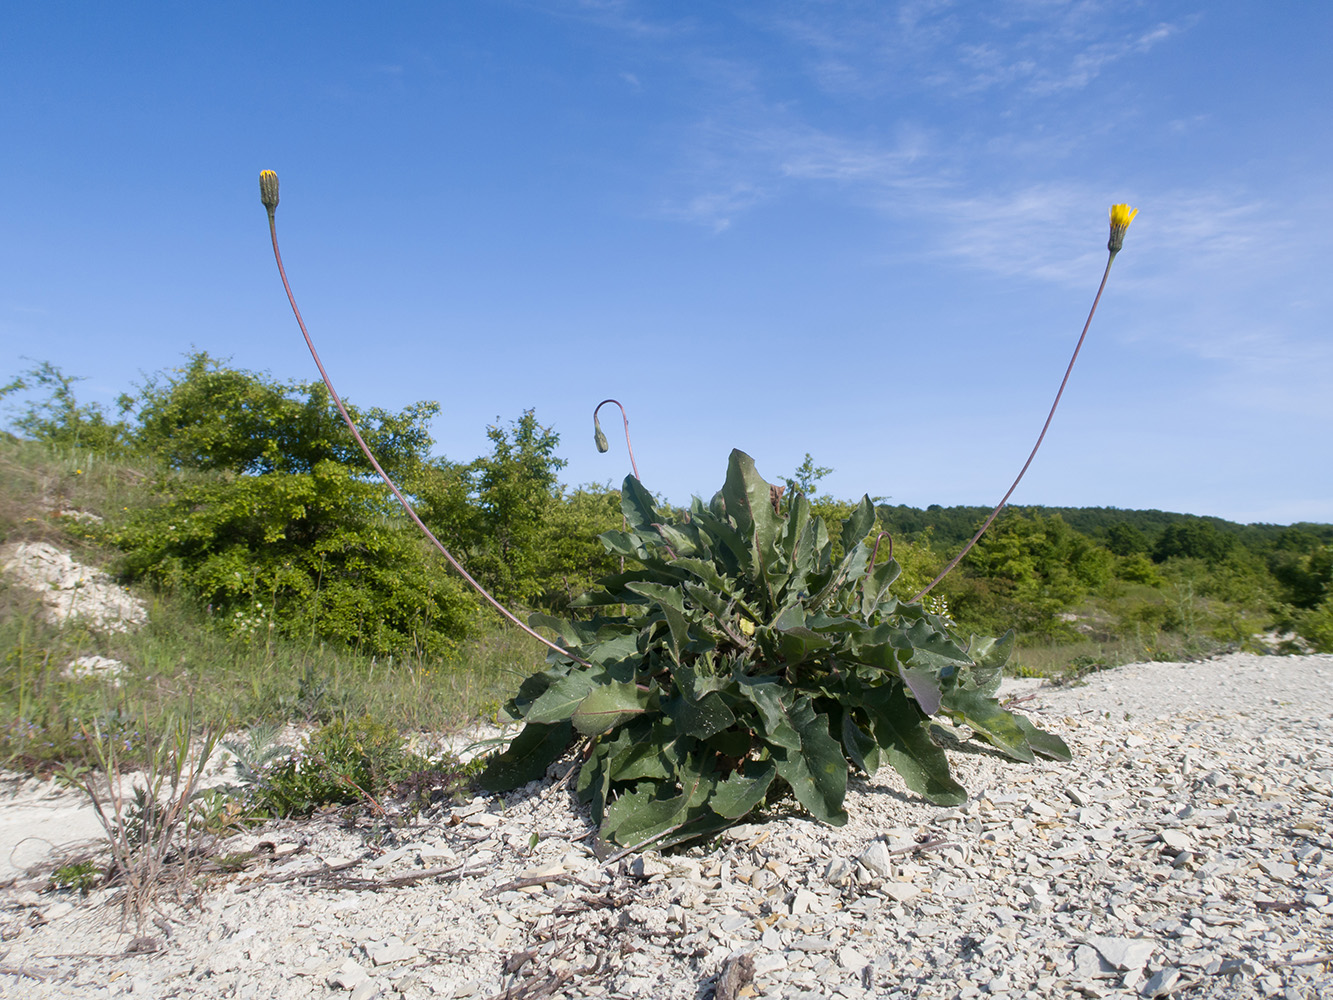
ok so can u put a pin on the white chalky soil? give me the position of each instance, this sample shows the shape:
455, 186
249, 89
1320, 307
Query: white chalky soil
1186, 851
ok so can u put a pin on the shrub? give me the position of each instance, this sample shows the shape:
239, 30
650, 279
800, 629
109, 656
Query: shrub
343, 763
1316, 626
306, 553
79, 876
749, 661
338, 764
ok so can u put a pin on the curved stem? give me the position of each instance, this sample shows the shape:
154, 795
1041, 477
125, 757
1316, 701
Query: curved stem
632, 464
1040, 437
874, 553
365, 450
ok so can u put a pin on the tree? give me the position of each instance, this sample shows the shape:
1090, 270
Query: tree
1031, 569
806, 478
1123, 539
1193, 538
207, 415
307, 553
570, 555
1305, 579
495, 510
60, 419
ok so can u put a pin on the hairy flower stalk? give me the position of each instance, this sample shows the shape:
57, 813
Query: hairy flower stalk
268, 195
603, 446
599, 438
1121, 217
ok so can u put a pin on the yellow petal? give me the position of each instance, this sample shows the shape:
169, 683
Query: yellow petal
1122, 215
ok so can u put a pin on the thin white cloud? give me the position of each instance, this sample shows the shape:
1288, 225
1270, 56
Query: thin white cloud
715, 209
755, 139
739, 161
620, 16
1041, 48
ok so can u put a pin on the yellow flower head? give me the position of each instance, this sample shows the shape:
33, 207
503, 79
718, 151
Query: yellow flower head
268, 189
1121, 217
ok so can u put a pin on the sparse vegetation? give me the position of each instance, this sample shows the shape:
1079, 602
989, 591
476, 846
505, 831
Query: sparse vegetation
78, 876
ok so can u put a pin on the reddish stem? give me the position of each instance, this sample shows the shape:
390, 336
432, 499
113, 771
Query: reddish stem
1040, 437
632, 464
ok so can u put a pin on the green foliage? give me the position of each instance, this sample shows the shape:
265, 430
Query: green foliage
1316, 626
1034, 569
266, 513
1137, 568
515, 489
338, 764
1193, 538
1305, 577
60, 419
312, 553
345, 763
507, 518
206, 415
1125, 539
806, 478
750, 660
569, 555
78, 877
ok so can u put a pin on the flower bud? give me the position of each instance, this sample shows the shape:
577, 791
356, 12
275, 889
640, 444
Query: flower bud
1121, 217
598, 437
268, 189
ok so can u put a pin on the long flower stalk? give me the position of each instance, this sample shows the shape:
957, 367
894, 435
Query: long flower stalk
1121, 217
268, 195
599, 438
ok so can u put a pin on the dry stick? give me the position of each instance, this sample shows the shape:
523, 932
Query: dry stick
1317, 960
365, 450
291, 876
411, 878
925, 845
20, 970
1040, 437
525, 883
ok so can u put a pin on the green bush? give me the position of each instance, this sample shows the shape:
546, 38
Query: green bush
1029, 570
340, 763
1316, 626
205, 415
311, 553
78, 877
346, 762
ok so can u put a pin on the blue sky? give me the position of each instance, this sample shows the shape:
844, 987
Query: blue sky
868, 231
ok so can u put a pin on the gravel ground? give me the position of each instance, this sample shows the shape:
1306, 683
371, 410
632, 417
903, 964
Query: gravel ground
1185, 851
